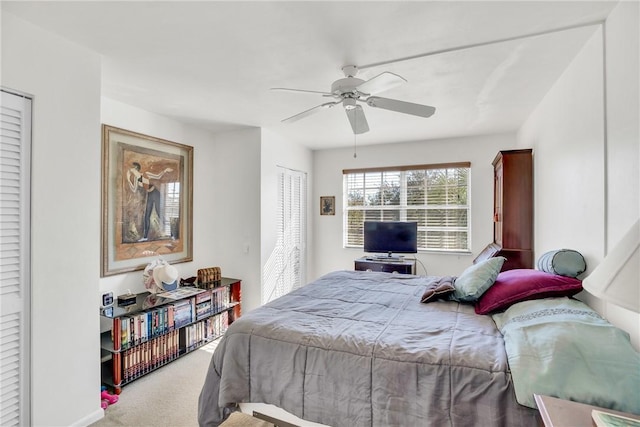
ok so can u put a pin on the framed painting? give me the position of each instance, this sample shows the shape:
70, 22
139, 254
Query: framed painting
327, 205
147, 201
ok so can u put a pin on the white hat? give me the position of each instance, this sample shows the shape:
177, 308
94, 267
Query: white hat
166, 277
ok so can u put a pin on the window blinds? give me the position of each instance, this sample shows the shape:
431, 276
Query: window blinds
436, 196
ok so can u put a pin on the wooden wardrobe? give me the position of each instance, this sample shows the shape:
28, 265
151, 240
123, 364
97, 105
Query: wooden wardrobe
513, 210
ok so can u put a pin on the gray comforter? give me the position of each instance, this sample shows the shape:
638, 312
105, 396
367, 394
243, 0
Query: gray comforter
358, 348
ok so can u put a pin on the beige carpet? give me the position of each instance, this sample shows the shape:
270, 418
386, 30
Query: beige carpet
238, 419
166, 397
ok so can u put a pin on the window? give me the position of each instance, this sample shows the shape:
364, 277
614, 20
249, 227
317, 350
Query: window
171, 197
436, 196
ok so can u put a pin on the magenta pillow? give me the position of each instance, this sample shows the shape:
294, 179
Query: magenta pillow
513, 286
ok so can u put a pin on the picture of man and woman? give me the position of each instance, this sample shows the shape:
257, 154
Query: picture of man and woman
147, 201
151, 198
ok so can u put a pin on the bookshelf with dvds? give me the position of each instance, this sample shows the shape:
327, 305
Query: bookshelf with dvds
160, 328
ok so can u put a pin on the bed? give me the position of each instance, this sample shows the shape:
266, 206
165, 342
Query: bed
357, 348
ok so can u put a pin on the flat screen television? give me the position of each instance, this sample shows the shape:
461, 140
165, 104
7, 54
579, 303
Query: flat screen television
391, 237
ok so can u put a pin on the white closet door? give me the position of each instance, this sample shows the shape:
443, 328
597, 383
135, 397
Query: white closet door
15, 160
286, 267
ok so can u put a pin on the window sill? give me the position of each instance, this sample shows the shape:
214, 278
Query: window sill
438, 252
423, 251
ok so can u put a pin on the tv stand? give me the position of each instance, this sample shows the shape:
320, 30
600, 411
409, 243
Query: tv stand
386, 264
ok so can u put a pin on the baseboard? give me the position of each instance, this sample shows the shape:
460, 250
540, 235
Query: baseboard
91, 418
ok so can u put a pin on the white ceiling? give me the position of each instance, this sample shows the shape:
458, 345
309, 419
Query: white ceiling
213, 63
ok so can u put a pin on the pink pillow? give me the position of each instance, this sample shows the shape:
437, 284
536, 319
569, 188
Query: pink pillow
513, 286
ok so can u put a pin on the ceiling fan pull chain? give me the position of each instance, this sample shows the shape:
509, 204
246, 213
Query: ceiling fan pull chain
355, 154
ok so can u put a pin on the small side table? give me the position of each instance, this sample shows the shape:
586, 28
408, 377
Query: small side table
562, 413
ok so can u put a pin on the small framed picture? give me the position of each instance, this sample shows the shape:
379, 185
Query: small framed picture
327, 205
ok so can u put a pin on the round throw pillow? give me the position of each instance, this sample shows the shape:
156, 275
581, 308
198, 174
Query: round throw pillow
564, 262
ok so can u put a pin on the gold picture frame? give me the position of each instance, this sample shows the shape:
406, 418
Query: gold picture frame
147, 201
327, 205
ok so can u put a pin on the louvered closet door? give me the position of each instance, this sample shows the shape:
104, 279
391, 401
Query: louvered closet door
15, 143
286, 267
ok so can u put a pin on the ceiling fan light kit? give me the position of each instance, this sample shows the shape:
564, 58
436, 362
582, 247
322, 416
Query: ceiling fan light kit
350, 90
357, 119
349, 103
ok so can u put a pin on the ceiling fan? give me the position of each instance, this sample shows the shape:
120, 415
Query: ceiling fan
350, 90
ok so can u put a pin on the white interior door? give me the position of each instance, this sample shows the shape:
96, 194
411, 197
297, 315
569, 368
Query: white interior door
286, 267
15, 161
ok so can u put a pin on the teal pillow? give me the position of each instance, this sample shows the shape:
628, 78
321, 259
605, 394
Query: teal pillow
476, 279
561, 347
564, 262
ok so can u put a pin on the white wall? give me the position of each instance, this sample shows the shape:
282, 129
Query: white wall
65, 81
328, 166
623, 112
623, 138
566, 131
587, 152
278, 152
235, 217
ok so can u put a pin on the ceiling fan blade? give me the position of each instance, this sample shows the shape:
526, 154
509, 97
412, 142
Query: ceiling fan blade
302, 91
380, 83
401, 106
310, 111
357, 119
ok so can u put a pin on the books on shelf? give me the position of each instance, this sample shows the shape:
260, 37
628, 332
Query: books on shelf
143, 358
203, 304
182, 314
139, 360
138, 328
150, 335
220, 299
209, 329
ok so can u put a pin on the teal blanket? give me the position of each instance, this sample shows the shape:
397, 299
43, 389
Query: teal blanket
561, 347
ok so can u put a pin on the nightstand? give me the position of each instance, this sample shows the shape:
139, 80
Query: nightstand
565, 413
